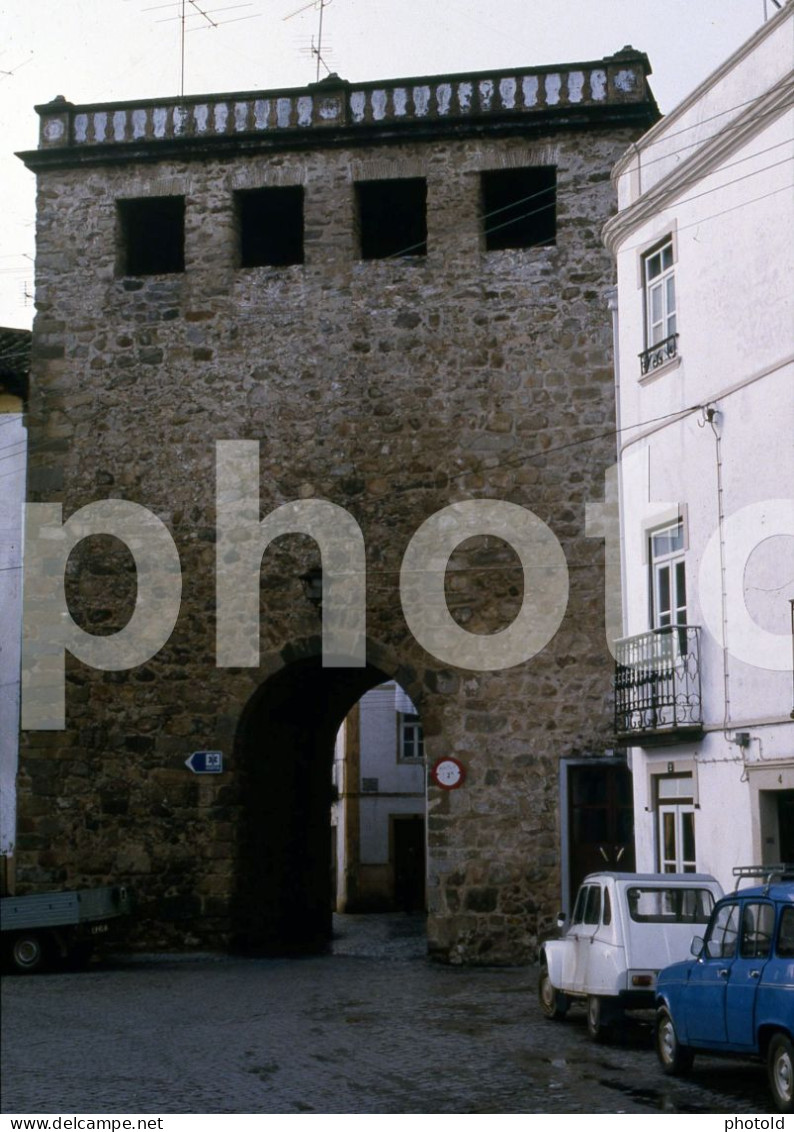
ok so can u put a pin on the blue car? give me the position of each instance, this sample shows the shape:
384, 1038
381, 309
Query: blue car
737, 996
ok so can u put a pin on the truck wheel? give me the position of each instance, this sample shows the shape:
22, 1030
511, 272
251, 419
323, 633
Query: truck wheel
553, 1003
780, 1062
27, 953
675, 1059
600, 1018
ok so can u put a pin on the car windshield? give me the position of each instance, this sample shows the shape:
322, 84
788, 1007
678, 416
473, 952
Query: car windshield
669, 905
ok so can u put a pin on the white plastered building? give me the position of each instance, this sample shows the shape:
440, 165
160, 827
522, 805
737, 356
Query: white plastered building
378, 818
14, 365
704, 323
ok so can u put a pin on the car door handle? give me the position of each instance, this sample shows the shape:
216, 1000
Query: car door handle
723, 972
755, 975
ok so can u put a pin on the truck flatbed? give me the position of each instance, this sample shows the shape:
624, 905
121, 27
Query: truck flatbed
42, 925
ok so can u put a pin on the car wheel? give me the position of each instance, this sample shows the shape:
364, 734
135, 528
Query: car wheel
780, 1062
600, 1017
27, 953
553, 1003
674, 1058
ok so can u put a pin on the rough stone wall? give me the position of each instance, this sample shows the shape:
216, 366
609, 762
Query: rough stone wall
392, 388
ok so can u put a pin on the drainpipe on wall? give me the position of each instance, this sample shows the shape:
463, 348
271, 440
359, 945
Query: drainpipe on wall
612, 303
710, 415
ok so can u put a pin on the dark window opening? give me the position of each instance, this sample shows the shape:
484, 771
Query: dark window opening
392, 218
270, 226
152, 236
519, 207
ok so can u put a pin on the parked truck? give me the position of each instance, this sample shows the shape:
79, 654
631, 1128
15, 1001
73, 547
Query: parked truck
41, 929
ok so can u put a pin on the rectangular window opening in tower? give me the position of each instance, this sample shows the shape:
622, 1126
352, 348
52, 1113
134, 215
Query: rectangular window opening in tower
270, 226
151, 236
392, 218
519, 207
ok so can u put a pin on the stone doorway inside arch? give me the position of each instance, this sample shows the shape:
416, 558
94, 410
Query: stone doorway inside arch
288, 752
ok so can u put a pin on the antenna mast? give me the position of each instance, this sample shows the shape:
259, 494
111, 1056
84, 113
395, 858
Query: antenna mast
317, 51
182, 54
191, 9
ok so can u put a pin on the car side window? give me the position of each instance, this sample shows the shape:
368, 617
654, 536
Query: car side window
722, 936
581, 899
785, 936
592, 912
758, 923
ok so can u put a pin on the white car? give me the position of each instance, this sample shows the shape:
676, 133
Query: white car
624, 929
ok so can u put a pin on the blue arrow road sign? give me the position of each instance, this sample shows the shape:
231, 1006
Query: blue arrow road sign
205, 762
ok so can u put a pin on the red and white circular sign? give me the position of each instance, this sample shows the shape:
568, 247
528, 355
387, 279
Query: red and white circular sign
448, 773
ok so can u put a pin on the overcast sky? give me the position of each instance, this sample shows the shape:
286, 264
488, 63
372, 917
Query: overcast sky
107, 50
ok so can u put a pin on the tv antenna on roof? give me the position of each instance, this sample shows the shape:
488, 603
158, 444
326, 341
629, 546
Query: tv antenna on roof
13, 71
193, 10
316, 50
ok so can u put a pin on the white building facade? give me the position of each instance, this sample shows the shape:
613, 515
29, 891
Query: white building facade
378, 820
704, 321
14, 365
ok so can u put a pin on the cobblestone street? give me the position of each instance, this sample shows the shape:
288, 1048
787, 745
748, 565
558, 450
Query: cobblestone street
372, 1028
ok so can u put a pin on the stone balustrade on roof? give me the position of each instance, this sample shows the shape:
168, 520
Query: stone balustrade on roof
568, 96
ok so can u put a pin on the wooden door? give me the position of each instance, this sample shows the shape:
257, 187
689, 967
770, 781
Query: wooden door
600, 819
408, 840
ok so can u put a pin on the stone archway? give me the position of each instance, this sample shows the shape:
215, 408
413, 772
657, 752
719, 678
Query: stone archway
284, 749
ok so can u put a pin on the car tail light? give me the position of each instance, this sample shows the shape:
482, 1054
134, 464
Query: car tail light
642, 980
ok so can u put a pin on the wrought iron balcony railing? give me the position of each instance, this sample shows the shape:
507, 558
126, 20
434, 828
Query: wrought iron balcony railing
657, 686
658, 354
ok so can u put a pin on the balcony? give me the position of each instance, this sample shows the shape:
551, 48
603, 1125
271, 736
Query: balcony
657, 687
658, 355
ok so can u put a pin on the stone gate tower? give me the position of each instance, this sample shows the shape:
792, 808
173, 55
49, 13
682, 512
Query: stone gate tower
397, 290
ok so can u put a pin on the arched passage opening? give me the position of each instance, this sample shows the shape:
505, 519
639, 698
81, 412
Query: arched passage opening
285, 749
379, 813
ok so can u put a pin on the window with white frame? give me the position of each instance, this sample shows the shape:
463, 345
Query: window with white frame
676, 824
659, 282
668, 576
412, 744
